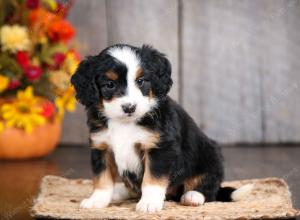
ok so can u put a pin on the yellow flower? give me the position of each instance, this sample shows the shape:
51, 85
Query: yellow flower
71, 63
4, 81
60, 80
23, 112
42, 39
14, 38
35, 61
67, 101
51, 4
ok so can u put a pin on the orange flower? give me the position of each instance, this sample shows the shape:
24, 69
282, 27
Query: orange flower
42, 17
54, 25
39, 20
60, 30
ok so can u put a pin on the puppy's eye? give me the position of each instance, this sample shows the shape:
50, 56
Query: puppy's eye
110, 85
140, 82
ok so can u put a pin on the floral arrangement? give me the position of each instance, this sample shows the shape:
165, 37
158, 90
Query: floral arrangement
37, 59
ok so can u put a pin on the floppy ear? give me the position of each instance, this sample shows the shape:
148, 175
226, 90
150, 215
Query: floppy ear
161, 69
83, 80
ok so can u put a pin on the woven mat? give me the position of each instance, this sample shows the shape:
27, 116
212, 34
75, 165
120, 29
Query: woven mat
59, 198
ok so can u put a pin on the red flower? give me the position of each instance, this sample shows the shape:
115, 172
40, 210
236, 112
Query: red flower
48, 109
14, 83
63, 9
60, 30
22, 58
58, 59
32, 4
33, 73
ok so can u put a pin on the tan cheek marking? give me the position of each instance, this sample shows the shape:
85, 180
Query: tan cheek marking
108, 176
100, 104
139, 73
151, 94
152, 141
149, 179
111, 75
192, 183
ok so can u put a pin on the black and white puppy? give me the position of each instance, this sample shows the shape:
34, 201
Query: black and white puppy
140, 135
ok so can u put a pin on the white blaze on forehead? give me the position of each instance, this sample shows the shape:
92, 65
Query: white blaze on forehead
133, 94
127, 56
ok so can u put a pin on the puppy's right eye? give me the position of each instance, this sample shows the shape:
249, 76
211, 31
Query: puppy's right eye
140, 82
110, 85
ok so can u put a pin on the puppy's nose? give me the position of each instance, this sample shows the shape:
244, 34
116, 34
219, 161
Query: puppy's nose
128, 108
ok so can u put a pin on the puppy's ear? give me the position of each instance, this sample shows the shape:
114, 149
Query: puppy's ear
161, 68
83, 80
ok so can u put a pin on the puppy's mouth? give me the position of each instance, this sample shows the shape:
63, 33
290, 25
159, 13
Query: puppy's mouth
128, 117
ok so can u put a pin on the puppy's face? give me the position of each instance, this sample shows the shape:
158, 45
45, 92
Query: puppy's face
126, 87
124, 81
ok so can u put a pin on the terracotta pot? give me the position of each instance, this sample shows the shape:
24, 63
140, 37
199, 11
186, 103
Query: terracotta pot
17, 144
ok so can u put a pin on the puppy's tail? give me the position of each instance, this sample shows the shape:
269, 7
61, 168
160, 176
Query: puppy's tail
228, 194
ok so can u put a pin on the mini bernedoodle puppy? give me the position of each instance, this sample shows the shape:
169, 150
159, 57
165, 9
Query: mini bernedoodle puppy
139, 135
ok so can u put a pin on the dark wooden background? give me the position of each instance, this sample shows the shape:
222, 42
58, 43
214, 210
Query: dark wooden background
235, 63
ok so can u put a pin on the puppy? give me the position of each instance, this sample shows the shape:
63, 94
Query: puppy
140, 135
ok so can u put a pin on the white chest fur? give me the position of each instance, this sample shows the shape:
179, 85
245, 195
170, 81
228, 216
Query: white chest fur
122, 138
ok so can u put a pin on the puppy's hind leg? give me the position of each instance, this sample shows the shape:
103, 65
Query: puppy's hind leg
192, 198
199, 189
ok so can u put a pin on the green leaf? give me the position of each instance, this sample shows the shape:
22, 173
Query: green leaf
9, 66
43, 87
48, 51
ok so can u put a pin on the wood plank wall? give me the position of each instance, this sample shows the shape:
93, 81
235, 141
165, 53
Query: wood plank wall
89, 18
235, 63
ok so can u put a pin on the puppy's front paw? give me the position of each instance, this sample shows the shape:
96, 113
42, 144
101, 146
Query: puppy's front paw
99, 199
149, 205
152, 200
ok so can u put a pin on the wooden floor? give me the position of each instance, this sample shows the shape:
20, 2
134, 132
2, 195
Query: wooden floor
19, 180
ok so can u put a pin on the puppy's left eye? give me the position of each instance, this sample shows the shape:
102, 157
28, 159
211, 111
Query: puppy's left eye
140, 82
110, 85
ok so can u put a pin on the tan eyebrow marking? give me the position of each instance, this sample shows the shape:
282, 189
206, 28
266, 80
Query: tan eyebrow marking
139, 73
111, 75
